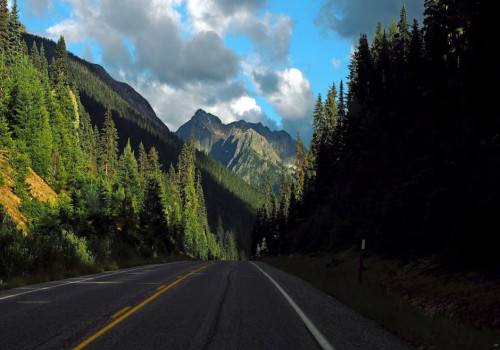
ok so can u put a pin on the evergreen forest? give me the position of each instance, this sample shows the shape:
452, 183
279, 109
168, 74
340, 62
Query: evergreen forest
113, 204
405, 153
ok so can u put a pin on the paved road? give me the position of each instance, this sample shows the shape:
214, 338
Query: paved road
184, 305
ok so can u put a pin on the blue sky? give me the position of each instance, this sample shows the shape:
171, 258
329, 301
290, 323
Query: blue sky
256, 60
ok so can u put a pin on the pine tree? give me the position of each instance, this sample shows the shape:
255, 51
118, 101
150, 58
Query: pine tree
300, 169
35, 56
43, 64
152, 219
403, 36
188, 195
4, 27
61, 61
331, 119
153, 168
24, 49
392, 32
377, 40
318, 128
109, 145
14, 34
128, 173
341, 130
143, 163
202, 218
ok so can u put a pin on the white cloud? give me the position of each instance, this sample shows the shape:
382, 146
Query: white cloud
270, 34
72, 31
336, 62
244, 105
293, 97
182, 64
290, 93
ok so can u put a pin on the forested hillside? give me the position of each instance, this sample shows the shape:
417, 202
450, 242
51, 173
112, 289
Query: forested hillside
112, 206
228, 195
407, 158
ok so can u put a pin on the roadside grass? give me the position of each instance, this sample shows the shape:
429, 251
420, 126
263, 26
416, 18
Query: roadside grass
45, 275
337, 275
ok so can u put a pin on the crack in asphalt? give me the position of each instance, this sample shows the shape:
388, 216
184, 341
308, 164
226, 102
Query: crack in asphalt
218, 310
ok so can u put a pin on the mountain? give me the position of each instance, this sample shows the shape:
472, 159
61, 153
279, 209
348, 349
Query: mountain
227, 195
248, 149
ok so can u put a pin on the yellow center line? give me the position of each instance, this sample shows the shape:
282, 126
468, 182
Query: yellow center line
136, 308
118, 313
161, 287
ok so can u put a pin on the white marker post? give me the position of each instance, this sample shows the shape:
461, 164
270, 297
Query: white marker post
361, 257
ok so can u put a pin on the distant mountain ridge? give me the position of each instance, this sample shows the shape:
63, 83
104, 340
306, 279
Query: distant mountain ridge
248, 149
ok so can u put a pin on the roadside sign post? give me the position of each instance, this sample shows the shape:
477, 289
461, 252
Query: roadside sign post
361, 257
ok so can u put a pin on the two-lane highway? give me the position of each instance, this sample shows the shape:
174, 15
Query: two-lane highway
184, 305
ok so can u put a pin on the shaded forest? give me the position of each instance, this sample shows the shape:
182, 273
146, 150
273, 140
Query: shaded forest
111, 204
406, 155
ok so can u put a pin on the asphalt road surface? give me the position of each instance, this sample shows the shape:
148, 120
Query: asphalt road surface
184, 305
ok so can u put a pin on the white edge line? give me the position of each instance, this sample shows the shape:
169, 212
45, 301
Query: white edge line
322, 341
102, 274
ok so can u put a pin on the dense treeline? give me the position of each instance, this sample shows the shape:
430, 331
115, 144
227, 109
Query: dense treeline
112, 206
229, 196
408, 158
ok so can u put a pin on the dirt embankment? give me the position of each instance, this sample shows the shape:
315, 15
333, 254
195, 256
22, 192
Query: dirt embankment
39, 189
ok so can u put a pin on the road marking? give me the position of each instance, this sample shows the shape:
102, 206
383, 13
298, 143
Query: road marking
161, 287
118, 313
136, 308
82, 280
322, 341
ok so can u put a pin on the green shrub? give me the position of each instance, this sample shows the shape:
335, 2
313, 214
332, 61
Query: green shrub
14, 258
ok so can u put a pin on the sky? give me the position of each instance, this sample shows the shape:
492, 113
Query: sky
257, 60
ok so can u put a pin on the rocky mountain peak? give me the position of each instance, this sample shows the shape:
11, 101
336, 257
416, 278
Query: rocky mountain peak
246, 148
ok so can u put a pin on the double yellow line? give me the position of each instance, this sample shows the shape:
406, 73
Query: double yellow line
136, 308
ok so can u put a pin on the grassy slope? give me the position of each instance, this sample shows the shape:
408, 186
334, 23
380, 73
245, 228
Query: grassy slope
427, 304
10, 202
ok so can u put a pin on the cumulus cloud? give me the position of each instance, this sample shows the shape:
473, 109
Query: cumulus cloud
153, 28
270, 34
219, 16
349, 18
181, 63
291, 95
228, 100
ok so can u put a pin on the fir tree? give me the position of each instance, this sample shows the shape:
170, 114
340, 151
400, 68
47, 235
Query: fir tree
143, 163
109, 145
377, 40
128, 173
152, 219
318, 128
4, 27
14, 32
403, 36
301, 167
61, 61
